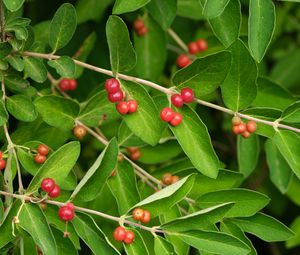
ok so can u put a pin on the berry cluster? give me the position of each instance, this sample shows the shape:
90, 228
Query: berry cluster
67, 84
186, 96
134, 153
49, 186
141, 215
2, 161
139, 27
183, 60
197, 46
79, 132
240, 128
66, 212
43, 151
124, 107
168, 115
169, 179
121, 235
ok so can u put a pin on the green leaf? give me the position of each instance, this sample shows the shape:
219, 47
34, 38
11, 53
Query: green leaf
246, 202
64, 66
226, 26
62, 27
288, 144
294, 241
214, 242
198, 220
145, 123
121, 51
163, 12
16, 83
35, 69
57, 166
5, 49
161, 201
126, 138
292, 113
64, 245
34, 222
280, 172
137, 247
214, 8
193, 129
57, 111
248, 153
21, 107
93, 182
16, 62
13, 5
190, 9
3, 114
265, 227
261, 26
123, 187
205, 74
162, 246
123, 6
151, 51
239, 88
91, 235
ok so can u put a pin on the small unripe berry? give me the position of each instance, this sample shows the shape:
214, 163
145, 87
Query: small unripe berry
43, 149
66, 213
246, 134
47, 185
183, 61
132, 106
202, 45
146, 217
142, 31
177, 100
167, 114
167, 178
251, 126
236, 120
119, 234
137, 214
129, 237
187, 95
55, 192
176, 120
79, 132
122, 107
64, 85
43, 206
193, 47
112, 85
175, 178
136, 155
116, 96
72, 84
2, 164
40, 159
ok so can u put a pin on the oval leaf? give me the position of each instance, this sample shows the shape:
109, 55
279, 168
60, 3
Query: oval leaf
138, 246
13, 5
214, 8
292, 113
35, 69
64, 66
123, 6
3, 114
162, 246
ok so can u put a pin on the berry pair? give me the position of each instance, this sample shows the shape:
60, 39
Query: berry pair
168, 115
139, 27
49, 186
240, 128
169, 179
124, 107
198, 46
141, 215
66, 212
186, 96
121, 235
67, 84
2, 161
43, 151
79, 132
113, 88
183, 61
134, 153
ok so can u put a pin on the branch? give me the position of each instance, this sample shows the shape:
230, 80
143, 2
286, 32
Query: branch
178, 40
2, 22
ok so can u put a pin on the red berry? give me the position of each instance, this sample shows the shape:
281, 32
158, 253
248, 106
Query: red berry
138, 24
122, 107
40, 159
236, 129
66, 213
131, 150
242, 128
176, 120
193, 47
183, 61
167, 114
72, 84
43, 149
129, 237
246, 134
132, 106
55, 192
167, 178
112, 85
116, 97
146, 217
202, 45
1, 154
142, 31
187, 95
251, 126
136, 155
48, 184
70, 205
177, 100
64, 85
119, 234
137, 214
2, 164
236, 120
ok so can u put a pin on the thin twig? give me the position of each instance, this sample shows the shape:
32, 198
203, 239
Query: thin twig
2, 22
178, 40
